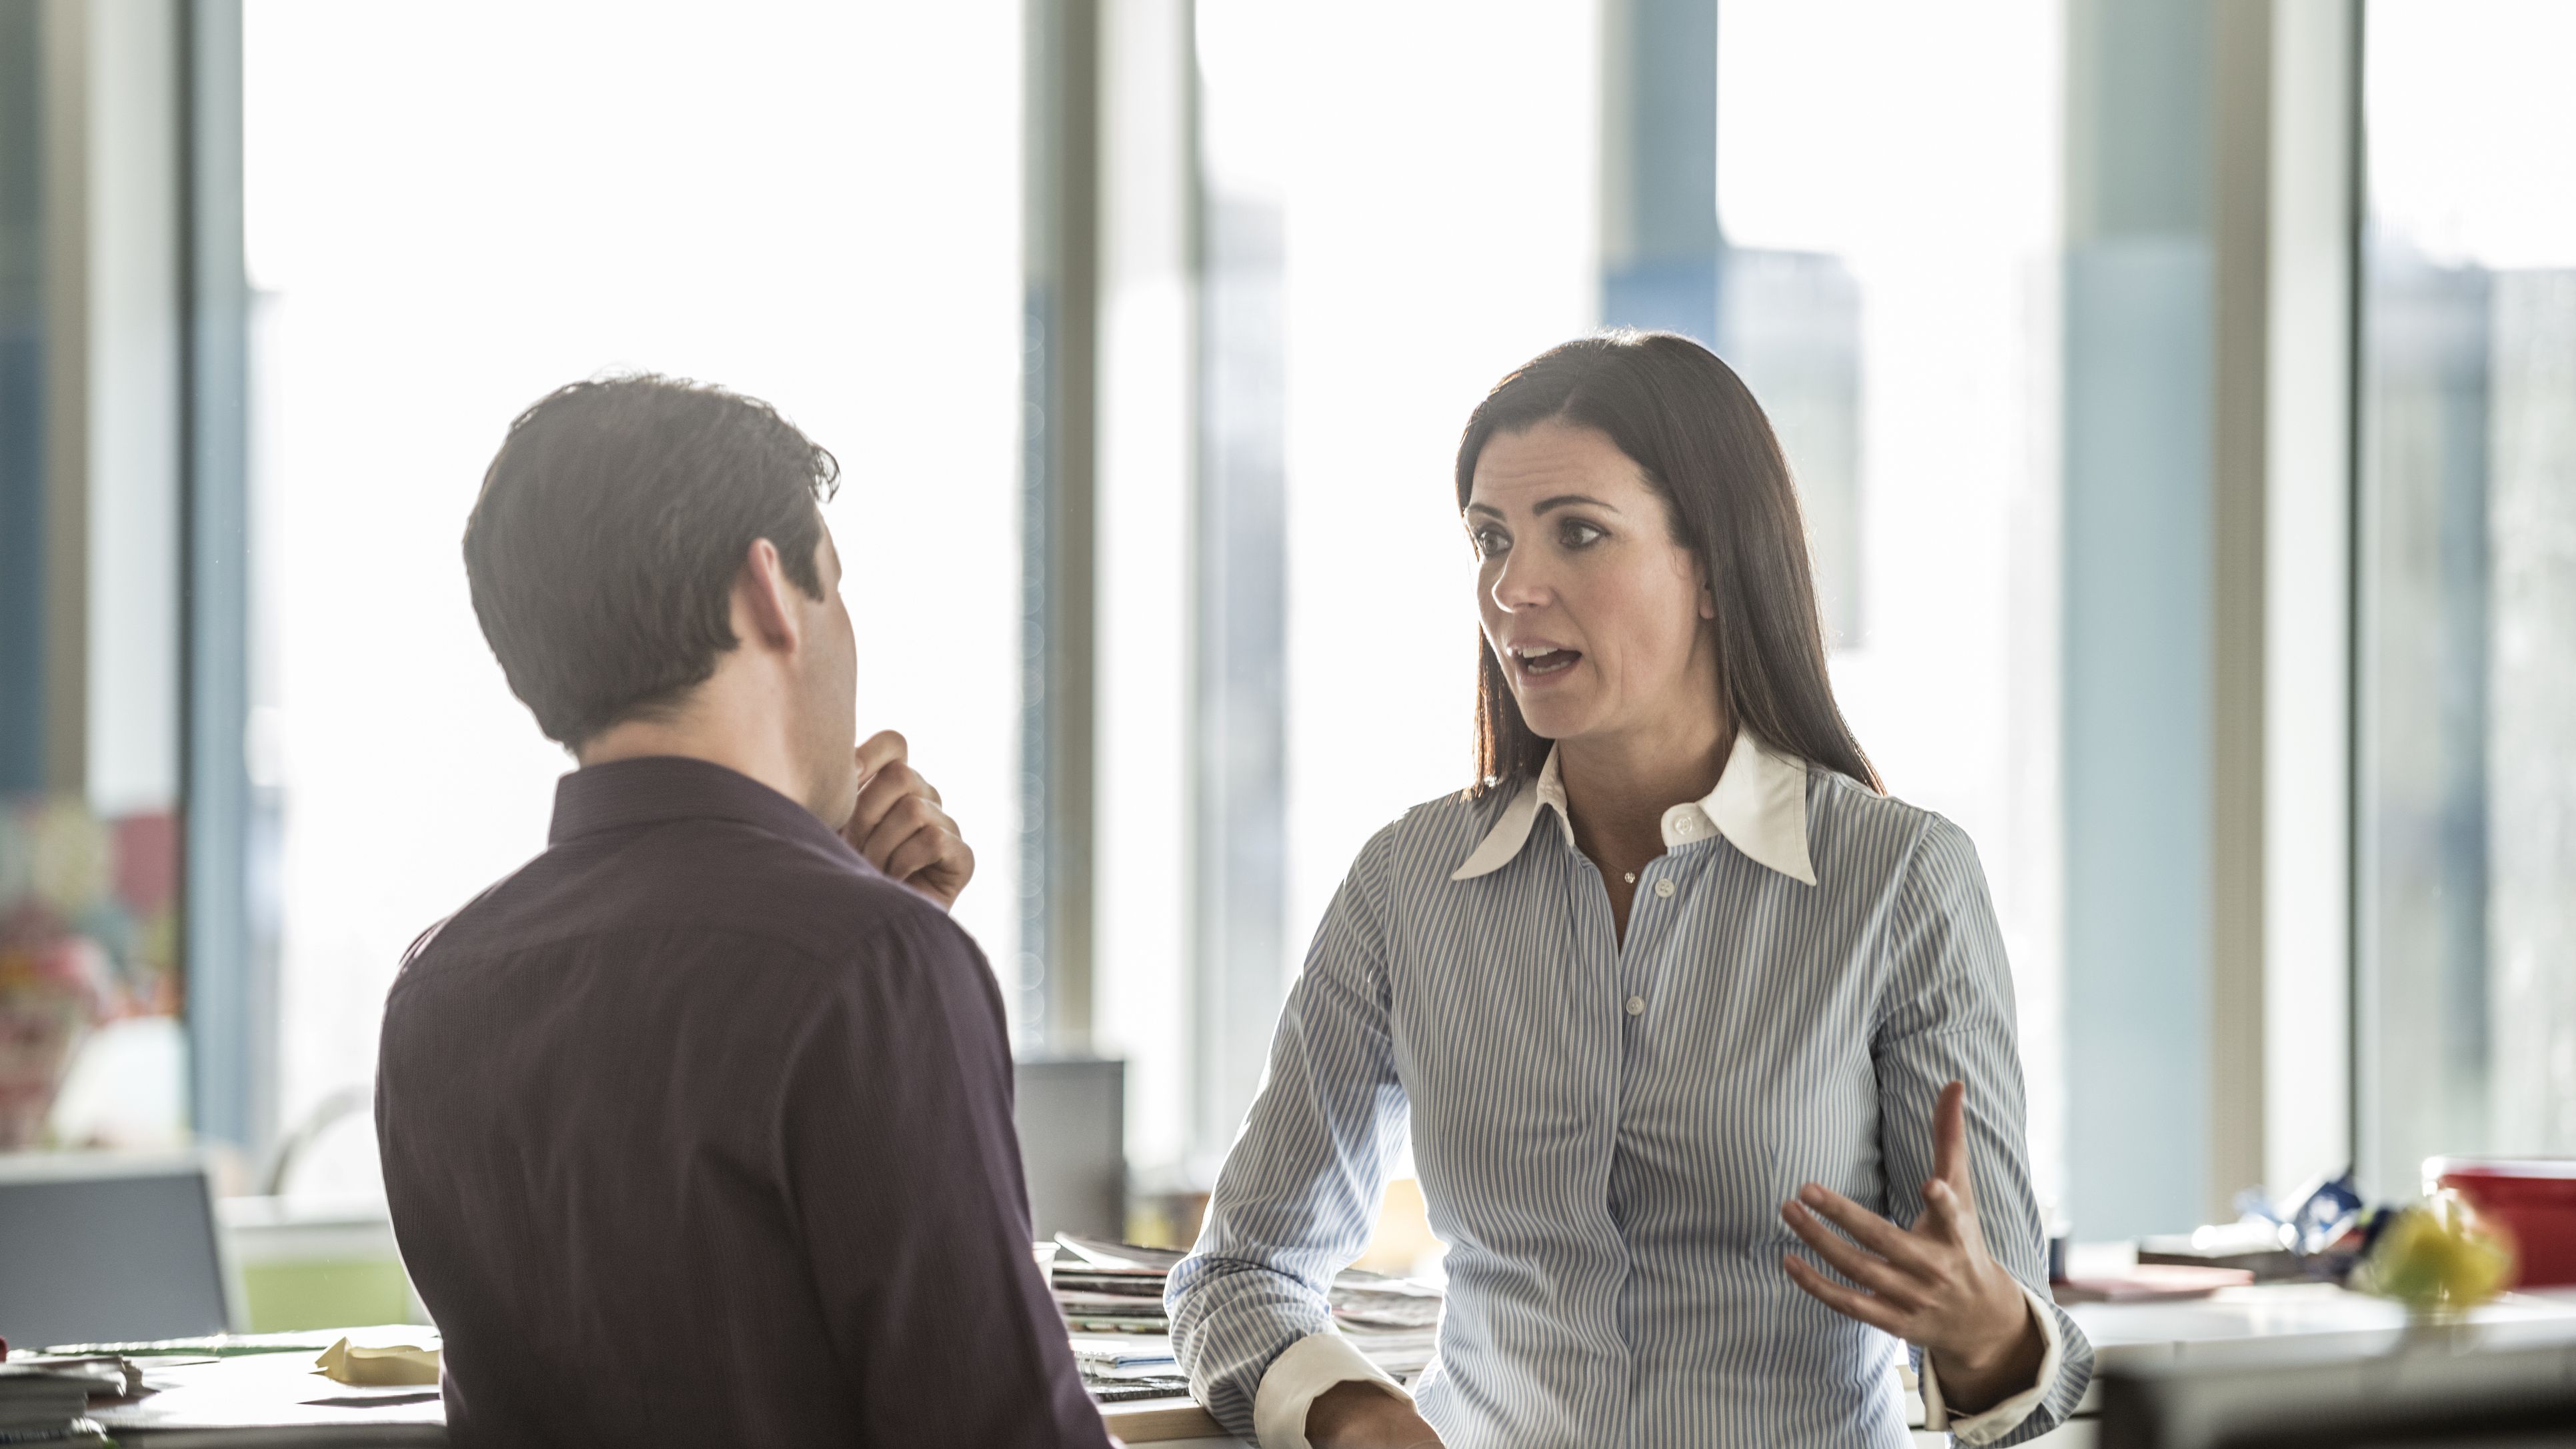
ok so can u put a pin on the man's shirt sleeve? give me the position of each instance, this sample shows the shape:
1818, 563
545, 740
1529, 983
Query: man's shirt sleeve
903, 1184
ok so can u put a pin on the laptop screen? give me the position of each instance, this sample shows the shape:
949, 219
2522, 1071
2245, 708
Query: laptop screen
106, 1251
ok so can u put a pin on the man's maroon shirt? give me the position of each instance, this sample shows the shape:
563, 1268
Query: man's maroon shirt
697, 1130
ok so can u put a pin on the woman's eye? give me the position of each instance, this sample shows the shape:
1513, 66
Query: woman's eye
1578, 534
1491, 541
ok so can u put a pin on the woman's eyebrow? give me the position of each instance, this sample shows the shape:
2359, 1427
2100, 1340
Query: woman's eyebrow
1546, 505
1568, 500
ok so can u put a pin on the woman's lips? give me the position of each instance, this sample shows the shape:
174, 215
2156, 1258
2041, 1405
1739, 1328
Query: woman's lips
1545, 667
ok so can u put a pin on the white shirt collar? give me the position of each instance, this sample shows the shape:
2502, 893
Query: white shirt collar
1759, 805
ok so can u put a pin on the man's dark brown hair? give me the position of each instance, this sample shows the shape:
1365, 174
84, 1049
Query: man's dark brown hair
612, 523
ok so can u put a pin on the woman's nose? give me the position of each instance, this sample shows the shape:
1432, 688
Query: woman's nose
1518, 585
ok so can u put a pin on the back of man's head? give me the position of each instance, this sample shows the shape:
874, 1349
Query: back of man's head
611, 527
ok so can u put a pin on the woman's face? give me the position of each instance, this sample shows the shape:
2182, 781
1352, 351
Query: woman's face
1597, 614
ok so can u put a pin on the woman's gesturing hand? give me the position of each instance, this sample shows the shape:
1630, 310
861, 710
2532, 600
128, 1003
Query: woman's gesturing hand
1934, 1284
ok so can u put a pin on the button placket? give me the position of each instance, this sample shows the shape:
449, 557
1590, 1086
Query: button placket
1646, 932
1650, 932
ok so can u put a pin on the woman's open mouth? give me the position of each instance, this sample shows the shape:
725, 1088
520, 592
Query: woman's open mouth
1536, 665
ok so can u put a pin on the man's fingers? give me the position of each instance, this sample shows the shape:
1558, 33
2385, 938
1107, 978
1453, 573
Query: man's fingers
924, 849
885, 747
1845, 1301
899, 822
889, 787
1868, 1270
1866, 1228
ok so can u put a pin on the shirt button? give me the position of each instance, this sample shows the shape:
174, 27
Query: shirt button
1636, 1006
1663, 890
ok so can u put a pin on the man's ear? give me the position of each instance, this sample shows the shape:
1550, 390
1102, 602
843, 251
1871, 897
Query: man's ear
760, 592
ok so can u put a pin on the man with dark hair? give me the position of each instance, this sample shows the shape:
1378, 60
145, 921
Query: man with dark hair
697, 1128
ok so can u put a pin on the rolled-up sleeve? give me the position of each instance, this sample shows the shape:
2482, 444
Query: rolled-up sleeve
1299, 1193
1946, 1014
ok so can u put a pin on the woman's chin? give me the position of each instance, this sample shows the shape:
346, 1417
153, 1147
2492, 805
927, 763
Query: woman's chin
1551, 720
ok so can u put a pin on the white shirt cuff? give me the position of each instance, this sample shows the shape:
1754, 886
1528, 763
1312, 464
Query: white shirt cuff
1300, 1376
2003, 1418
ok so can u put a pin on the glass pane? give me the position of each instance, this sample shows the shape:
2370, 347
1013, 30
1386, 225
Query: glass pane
92, 1053
1369, 269
1889, 293
814, 204
1372, 267
2468, 621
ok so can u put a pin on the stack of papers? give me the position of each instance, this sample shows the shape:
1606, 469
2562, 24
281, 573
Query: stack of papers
1107, 1288
1111, 1295
1394, 1321
47, 1401
1120, 1367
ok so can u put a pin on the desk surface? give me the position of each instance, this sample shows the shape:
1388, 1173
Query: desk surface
2301, 1319
2283, 1321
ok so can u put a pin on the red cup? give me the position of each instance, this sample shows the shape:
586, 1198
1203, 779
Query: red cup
2531, 1198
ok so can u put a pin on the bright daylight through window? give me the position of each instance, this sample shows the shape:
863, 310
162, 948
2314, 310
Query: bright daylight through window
815, 205
2467, 798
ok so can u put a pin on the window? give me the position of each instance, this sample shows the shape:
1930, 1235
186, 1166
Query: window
1481, 188
451, 213
2466, 1011
1889, 293
1368, 269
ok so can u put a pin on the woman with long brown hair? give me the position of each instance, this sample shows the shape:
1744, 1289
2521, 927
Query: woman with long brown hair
1704, 1043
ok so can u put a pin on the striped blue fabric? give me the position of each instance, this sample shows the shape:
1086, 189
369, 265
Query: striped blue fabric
1604, 1132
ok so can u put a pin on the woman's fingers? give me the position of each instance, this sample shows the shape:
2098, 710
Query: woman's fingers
1950, 1133
1867, 1228
1868, 1270
1950, 1216
1845, 1301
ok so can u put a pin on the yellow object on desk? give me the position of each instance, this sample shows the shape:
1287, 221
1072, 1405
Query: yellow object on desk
2437, 1259
344, 1363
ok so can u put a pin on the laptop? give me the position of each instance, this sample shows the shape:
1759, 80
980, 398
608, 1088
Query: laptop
109, 1247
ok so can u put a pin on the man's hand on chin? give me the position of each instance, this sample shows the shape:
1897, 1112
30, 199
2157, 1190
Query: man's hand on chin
900, 828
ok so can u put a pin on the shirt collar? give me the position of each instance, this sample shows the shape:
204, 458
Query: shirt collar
1759, 805
652, 789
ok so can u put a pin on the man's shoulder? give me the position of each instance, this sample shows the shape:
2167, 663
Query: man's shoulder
787, 898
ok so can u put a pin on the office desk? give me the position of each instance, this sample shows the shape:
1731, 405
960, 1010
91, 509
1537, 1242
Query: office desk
2272, 1323
255, 1399
2278, 1322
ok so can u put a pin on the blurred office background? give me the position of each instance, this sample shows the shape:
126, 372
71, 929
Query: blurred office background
2183, 395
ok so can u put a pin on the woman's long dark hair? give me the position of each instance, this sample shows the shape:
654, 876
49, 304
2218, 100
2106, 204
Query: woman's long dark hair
1690, 424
